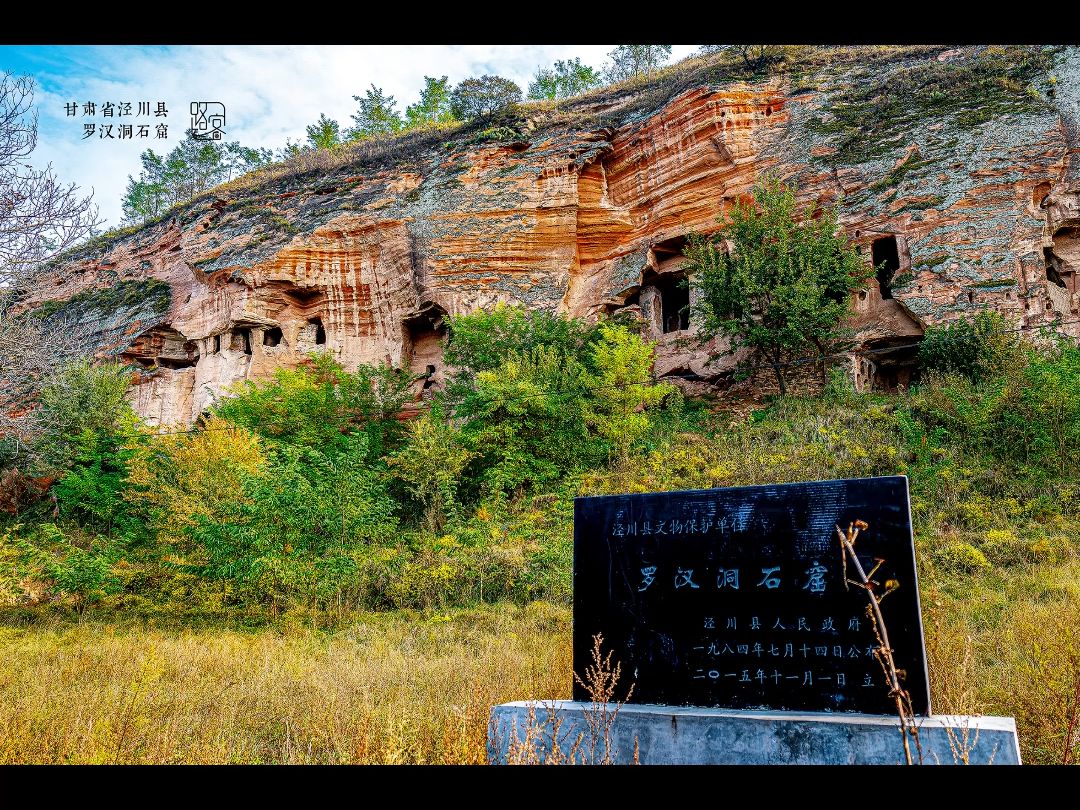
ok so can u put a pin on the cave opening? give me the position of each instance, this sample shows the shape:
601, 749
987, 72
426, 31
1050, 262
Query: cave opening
674, 293
1040, 193
302, 296
885, 255
241, 341
177, 362
611, 308
272, 336
895, 363
217, 343
424, 335
320, 332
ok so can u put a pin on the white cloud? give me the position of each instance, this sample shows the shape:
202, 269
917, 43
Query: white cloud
270, 93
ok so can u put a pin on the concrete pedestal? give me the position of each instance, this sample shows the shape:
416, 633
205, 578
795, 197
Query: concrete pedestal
680, 735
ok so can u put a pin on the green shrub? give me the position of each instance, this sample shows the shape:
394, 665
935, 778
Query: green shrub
81, 400
319, 405
308, 508
973, 347
541, 396
1027, 411
430, 466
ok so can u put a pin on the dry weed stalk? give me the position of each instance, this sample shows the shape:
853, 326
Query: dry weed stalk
1072, 731
909, 730
962, 744
549, 743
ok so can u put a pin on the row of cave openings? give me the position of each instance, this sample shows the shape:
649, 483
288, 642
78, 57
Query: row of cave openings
240, 339
668, 290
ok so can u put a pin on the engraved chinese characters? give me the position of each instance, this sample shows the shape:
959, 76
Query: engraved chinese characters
736, 597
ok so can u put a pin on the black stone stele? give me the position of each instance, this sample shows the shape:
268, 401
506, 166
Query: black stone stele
735, 597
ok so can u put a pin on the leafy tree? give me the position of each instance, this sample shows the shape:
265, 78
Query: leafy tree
324, 133
80, 399
88, 427
430, 465
563, 80
91, 491
376, 115
753, 56
484, 96
632, 61
785, 286
307, 506
434, 105
191, 168
540, 395
177, 478
239, 159
527, 418
481, 341
67, 568
623, 389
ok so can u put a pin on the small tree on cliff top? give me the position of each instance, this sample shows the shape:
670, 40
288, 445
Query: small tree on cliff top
479, 98
784, 289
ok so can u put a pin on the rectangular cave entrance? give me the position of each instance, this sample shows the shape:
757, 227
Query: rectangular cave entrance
665, 297
424, 335
895, 363
241, 341
674, 301
273, 336
885, 254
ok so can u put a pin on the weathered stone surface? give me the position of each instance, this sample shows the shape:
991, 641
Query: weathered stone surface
590, 219
674, 735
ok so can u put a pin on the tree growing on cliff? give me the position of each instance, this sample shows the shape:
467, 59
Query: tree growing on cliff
191, 168
377, 115
324, 133
563, 80
433, 108
632, 61
753, 56
784, 288
482, 97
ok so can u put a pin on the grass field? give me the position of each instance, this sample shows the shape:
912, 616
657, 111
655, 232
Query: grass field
391, 688
407, 687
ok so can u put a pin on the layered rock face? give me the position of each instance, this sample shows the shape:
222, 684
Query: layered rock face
975, 206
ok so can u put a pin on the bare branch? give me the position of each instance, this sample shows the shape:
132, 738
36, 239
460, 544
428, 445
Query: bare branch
39, 218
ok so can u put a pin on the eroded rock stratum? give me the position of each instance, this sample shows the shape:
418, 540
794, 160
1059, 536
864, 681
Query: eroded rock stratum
967, 187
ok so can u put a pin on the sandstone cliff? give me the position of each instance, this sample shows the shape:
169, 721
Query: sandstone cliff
957, 168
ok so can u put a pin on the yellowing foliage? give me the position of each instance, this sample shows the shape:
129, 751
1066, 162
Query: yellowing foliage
181, 477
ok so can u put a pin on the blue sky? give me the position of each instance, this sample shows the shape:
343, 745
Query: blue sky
270, 93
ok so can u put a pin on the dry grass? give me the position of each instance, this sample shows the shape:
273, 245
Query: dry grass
391, 689
1009, 644
410, 688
